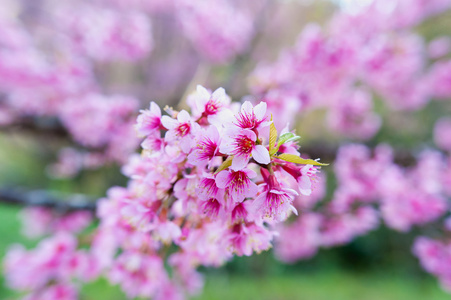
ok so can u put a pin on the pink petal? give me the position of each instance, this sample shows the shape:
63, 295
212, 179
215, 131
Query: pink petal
218, 94
252, 191
250, 173
222, 179
203, 92
183, 116
305, 185
220, 118
212, 132
169, 122
260, 110
249, 134
239, 162
246, 107
261, 155
226, 145
155, 109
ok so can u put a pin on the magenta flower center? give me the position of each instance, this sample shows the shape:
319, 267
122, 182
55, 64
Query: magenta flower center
153, 123
275, 201
183, 129
239, 212
243, 145
212, 107
207, 148
239, 182
247, 120
211, 207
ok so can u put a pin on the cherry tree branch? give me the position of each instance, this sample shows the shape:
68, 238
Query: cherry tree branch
59, 202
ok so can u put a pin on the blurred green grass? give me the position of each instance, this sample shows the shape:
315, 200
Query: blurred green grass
290, 283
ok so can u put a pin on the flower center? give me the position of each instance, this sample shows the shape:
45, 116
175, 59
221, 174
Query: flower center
212, 107
183, 129
244, 145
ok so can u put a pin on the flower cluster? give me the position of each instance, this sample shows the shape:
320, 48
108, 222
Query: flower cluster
435, 257
41, 221
59, 71
371, 51
370, 188
53, 270
207, 186
61, 85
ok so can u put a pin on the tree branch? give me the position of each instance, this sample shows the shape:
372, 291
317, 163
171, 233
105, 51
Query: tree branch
57, 201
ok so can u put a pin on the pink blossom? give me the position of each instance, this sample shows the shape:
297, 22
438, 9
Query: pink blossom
435, 257
58, 291
343, 228
240, 211
212, 208
107, 34
252, 118
237, 184
439, 47
149, 121
181, 129
308, 239
216, 42
241, 143
208, 188
304, 176
353, 116
247, 238
207, 147
414, 207
139, 275
439, 79
275, 201
36, 221
213, 106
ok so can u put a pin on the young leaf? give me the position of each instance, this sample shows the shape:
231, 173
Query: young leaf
272, 138
297, 160
287, 137
227, 163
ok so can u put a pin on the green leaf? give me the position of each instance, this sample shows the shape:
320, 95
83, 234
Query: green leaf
284, 138
287, 137
297, 160
272, 138
227, 163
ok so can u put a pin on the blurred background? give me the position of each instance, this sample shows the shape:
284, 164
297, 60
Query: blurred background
165, 68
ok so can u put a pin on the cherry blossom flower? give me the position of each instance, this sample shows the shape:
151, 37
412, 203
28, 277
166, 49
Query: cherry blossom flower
275, 201
181, 129
242, 144
149, 121
207, 147
237, 184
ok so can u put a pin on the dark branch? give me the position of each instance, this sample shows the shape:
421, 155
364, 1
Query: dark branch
328, 153
67, 203
59, 202
46, 126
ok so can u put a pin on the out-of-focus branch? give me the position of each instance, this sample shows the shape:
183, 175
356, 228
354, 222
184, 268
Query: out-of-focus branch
75, 202
327, 153
38, 126
59, 202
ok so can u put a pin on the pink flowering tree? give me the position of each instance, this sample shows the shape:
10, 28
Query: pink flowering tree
211, 176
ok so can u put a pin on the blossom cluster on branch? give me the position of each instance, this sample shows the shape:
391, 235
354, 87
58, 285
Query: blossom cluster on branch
356, 58
207, 186
371, 189
57, 67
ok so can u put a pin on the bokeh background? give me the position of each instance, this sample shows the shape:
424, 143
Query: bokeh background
376, 266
